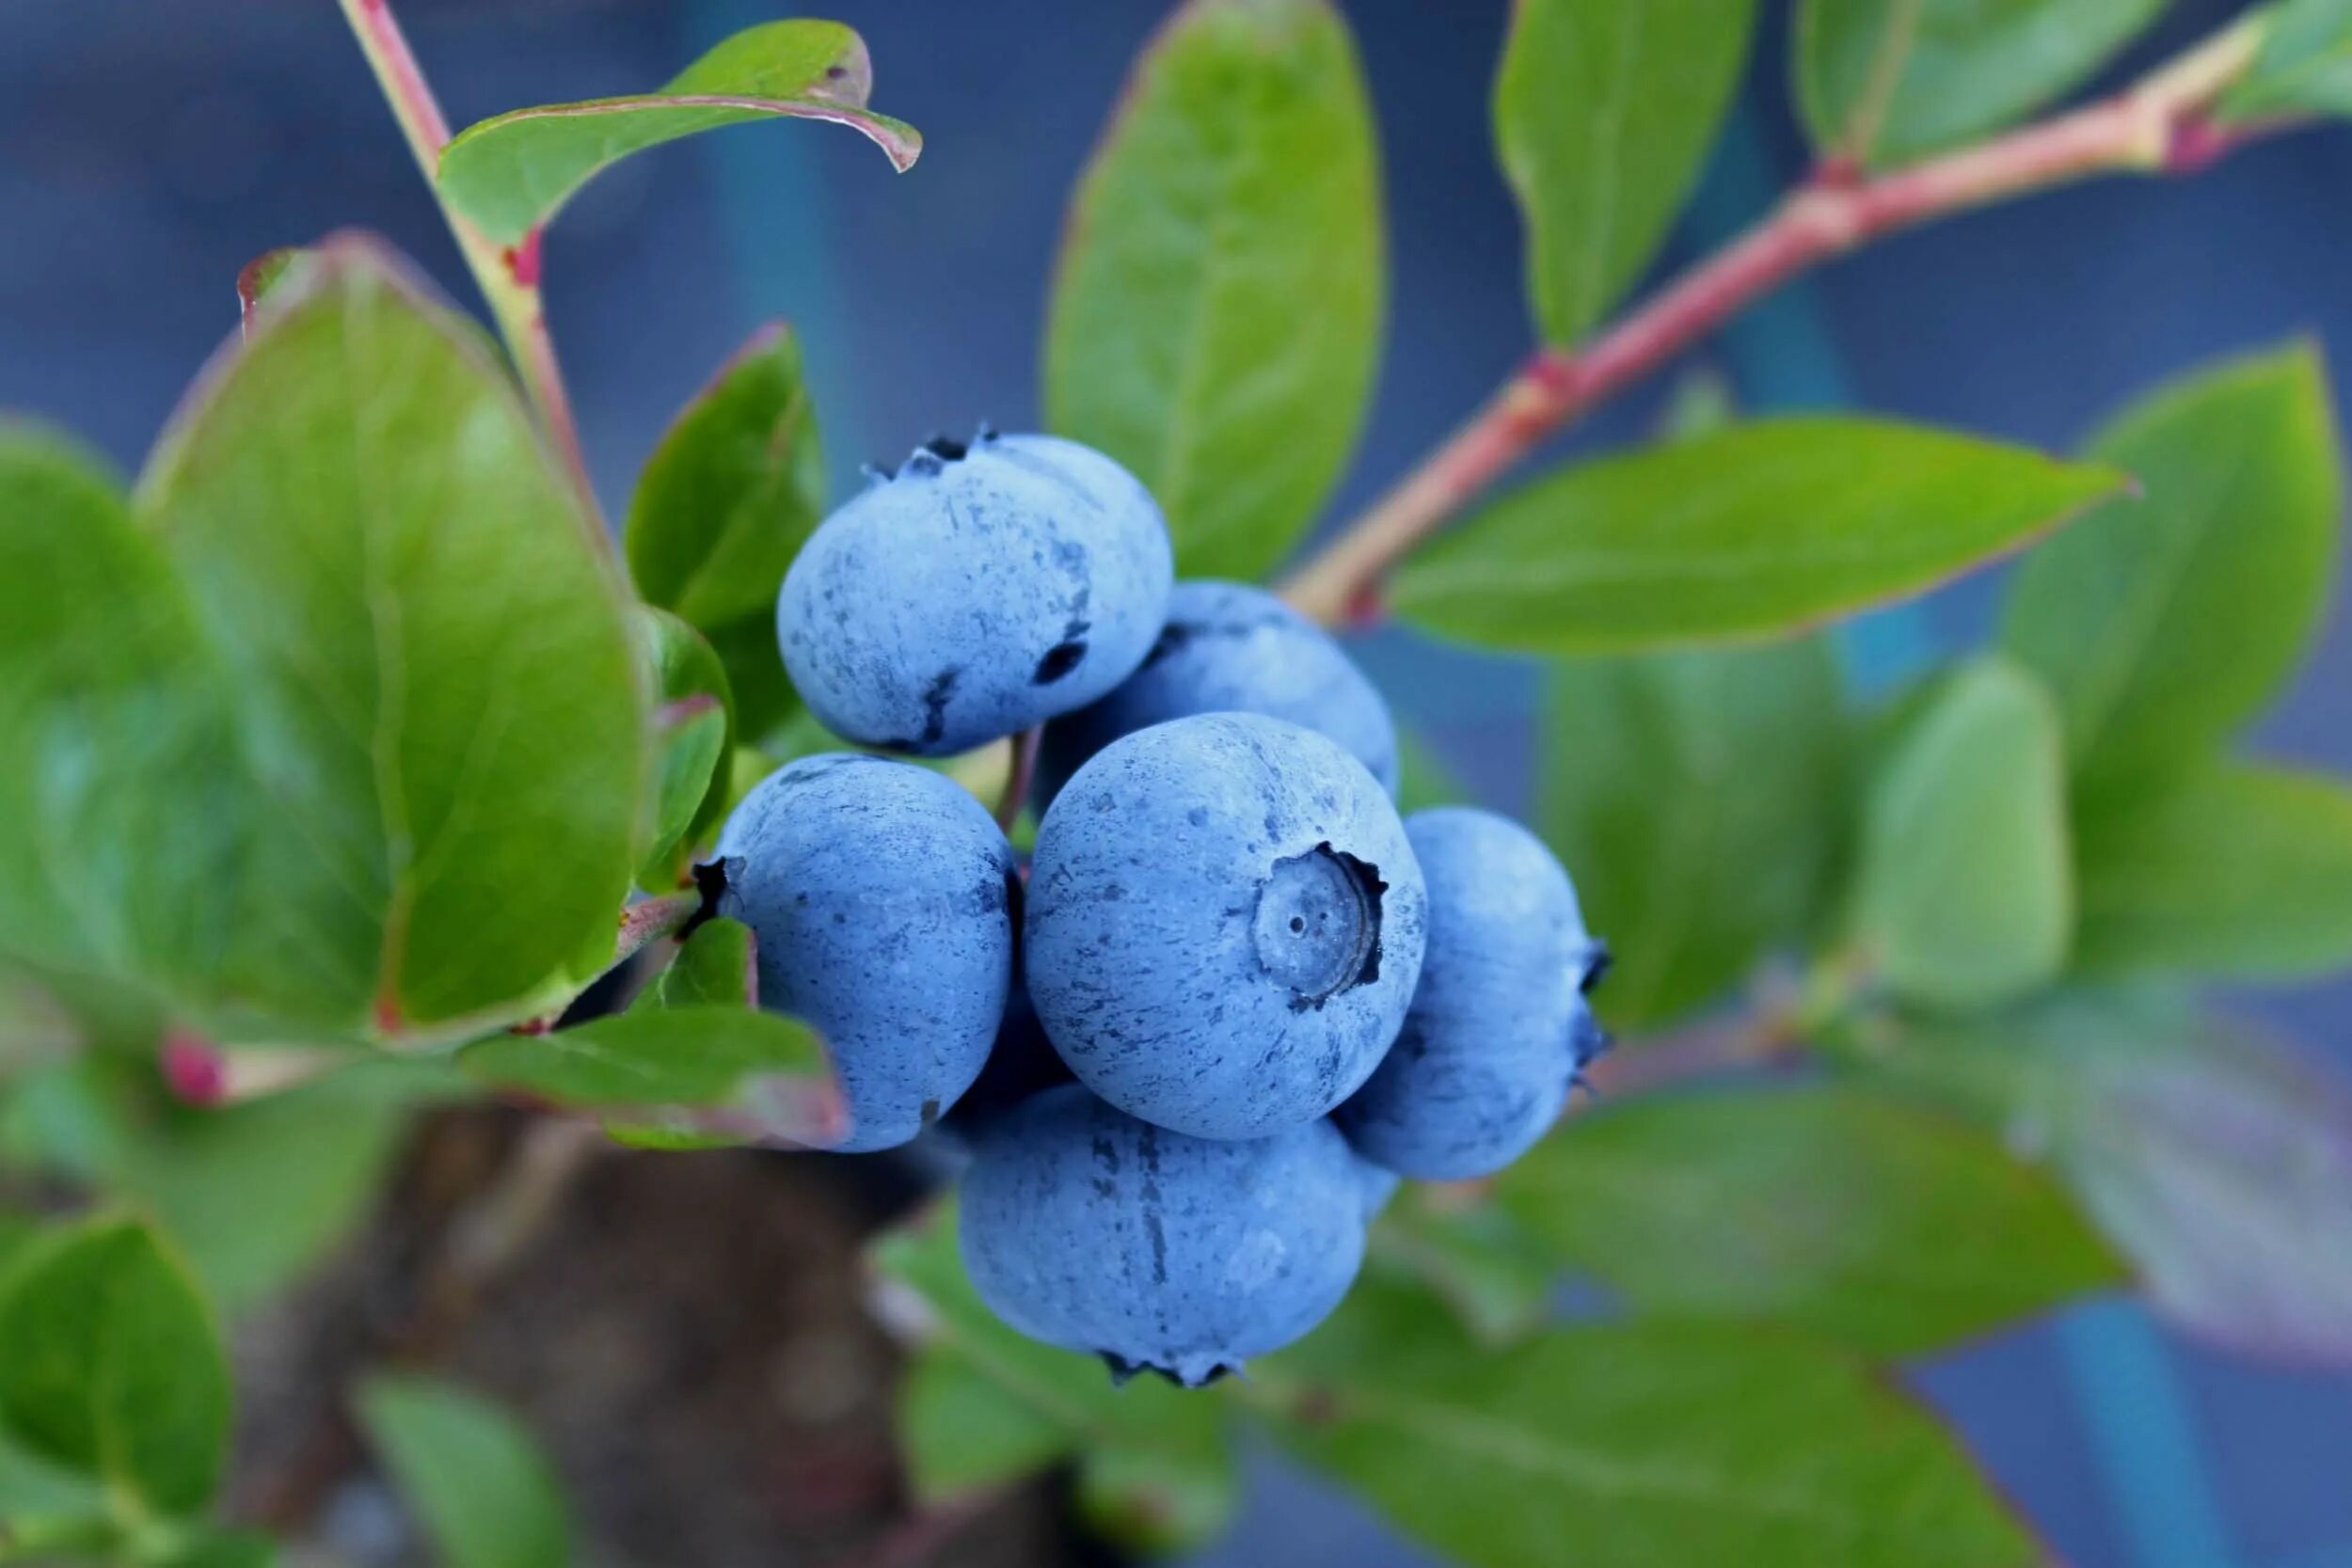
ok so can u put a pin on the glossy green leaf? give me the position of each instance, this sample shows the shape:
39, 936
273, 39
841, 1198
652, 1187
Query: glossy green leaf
2217, 1160
1695, 797
735, 487
509, 174
1764, 529
2236, 870
2164, 622
1884, 81
1854, 1216
1216, 322
473, 1475
1603, 116
1964, 891
983, 1406
438, 753
1641, 1443
114, 1367
2304, 66
702, 1072
693, 731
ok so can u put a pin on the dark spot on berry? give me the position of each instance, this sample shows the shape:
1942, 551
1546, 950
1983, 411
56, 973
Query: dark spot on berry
1059, 659
1596, 968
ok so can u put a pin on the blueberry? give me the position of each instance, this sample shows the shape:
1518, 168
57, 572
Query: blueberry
1087, 1229
1229, 647
1374, 1185
977, 591
1499, 1028
1021, 1063
882, 897
1225, 923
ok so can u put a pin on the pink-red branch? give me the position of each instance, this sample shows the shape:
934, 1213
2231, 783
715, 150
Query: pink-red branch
2158, 126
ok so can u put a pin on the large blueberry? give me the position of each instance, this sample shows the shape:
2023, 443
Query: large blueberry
977, 591
880, 895
1499, 1028
1087, 1229
1224, 925
1231, 648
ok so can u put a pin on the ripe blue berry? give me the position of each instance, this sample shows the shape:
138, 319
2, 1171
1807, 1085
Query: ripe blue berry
1225, 923
1087, 1229
1499, 1028
977, 591
1231, 648
880, 895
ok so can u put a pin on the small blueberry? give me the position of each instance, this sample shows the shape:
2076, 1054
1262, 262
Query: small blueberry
1087, 1229
881, 898
977, 591
1499, 1030
1231, 648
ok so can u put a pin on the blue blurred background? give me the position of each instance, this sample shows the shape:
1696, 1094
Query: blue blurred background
148, 151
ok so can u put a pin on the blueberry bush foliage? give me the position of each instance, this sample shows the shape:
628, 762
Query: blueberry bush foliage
341, 756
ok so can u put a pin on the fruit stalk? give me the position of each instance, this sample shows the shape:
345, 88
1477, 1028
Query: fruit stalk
2159, 125
508, 275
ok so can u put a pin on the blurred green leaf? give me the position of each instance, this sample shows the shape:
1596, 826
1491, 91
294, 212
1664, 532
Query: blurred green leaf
1424, 778
1884, 81
114, 1366
2236, 870
1695, 797
1233, 206
229, 1548
735, 486
509, 174
1494, 1271
1643, 1443
1851, 1215
259, 279
1766, 527
983, 1406
473, 1475
2305, 65
2165, 621
1603, 115
693, 731
702, 1072
2218, 1162
339, 737
1965, 893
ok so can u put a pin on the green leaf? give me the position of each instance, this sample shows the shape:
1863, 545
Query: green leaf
713, 968
255, 1194
1884, 80
2164, 622
221, 1550
1233, 206
735, 486
432, 789
2217, 1160
1766, 528
1633, 1444
2237, 870
1603, 115
766, 709
694, 729
983, 1406
1493, 1271
114, 1366
260, 278
1426, 779
1964, 891
702, 1072
476, 1479
2304, 66
1853, 1216
1695, 799
508, 175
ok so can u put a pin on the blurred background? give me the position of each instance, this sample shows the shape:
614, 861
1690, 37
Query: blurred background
148, 151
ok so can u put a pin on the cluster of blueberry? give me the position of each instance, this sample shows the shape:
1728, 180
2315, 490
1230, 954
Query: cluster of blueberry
1275, 996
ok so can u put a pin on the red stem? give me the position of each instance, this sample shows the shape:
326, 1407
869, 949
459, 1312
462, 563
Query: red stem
1025, 749
2157, 126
